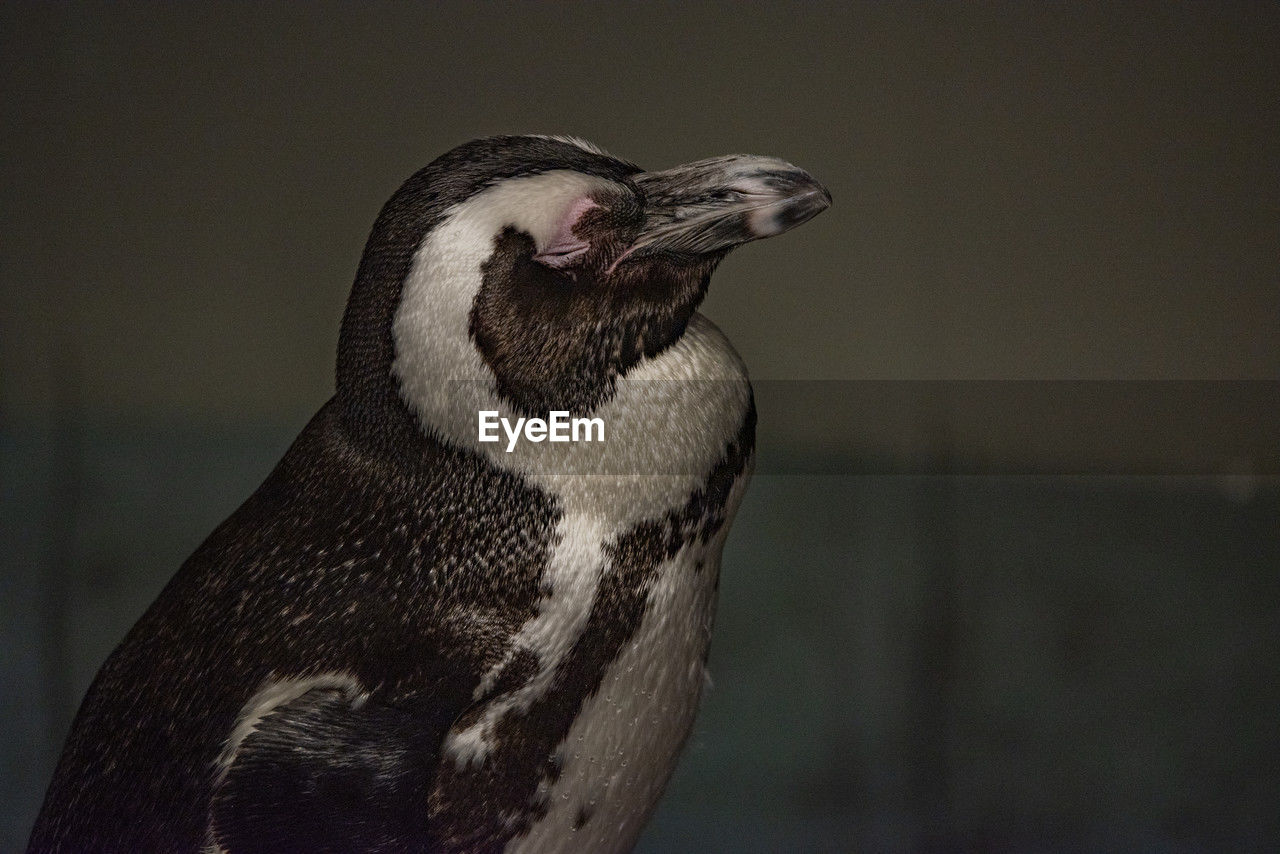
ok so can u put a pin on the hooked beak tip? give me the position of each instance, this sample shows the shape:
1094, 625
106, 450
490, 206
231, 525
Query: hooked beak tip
794, 208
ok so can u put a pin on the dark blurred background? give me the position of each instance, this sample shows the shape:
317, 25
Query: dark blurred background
1007, 578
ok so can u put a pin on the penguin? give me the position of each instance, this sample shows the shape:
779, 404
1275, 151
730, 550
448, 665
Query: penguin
412, 640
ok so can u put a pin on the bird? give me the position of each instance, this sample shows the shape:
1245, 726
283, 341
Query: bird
408, 639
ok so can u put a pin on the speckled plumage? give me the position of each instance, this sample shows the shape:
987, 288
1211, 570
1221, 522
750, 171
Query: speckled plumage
408, 641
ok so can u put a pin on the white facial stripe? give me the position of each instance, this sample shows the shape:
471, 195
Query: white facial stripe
442, 374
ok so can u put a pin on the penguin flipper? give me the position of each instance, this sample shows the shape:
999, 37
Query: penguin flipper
325, 774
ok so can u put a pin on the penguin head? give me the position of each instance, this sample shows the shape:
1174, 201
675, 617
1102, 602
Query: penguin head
533, 272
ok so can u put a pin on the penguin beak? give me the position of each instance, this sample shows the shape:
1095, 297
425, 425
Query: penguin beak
714, 205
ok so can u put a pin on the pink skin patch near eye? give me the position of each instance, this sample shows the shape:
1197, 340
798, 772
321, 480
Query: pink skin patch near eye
565, 247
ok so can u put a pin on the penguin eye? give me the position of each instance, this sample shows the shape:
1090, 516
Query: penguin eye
564, 248
562, 254
727, 195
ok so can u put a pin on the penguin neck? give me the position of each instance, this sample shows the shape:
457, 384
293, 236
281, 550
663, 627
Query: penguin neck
666, 424
365, 389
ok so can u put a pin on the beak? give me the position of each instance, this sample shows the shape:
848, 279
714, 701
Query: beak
714, 205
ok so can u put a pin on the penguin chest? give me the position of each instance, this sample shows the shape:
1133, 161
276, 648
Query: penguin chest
624, 742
